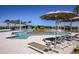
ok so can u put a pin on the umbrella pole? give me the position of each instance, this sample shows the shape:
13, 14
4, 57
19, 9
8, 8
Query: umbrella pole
58, 26
9, 27
71, 26
71, 29
55, 34
78, 27
64, 26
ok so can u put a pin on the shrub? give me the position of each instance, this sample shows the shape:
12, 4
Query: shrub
76, 50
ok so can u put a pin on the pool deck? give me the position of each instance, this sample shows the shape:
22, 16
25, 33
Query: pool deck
19, 46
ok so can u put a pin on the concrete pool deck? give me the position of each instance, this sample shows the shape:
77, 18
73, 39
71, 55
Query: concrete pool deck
19, 46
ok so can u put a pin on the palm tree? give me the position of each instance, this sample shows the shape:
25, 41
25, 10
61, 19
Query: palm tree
7, 21
29, 22
76, 9
12, 22
18, 21
24, 24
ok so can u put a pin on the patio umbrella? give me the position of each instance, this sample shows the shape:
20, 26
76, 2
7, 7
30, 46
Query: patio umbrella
76, 19
70, 27
58, 16
66, 21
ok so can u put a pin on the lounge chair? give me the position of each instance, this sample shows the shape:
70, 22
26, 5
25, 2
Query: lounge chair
76, 36
70, 37
51, 39
39, 47
59, 42
13, 36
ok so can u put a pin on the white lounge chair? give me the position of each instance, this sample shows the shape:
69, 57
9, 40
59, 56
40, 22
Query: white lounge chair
40, 48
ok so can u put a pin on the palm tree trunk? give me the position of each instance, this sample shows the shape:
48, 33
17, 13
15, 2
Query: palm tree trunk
20, 26
8, 25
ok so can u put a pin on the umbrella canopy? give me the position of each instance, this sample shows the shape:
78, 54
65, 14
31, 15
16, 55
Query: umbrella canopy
75, 19
58, 15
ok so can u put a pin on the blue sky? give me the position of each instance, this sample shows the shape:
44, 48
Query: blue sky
31, 12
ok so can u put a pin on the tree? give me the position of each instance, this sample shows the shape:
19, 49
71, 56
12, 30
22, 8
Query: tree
7, 21
29, 22
76, 9
13, 22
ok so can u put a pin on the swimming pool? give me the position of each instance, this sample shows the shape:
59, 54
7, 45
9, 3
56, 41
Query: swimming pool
26, 34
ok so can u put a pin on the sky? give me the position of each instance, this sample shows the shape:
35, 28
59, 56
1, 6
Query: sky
31, 13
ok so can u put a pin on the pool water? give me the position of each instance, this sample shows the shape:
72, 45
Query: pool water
28, 30
26, 34
6, 30
55, 32
20, 35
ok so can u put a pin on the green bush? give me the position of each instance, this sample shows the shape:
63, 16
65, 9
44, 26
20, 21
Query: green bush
76, 50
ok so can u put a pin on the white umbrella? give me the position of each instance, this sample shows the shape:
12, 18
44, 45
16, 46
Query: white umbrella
76, 19
54, 12
58, 16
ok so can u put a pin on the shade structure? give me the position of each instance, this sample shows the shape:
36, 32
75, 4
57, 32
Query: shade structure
76, 19
58, 16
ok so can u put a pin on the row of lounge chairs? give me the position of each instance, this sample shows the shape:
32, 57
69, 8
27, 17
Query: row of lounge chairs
52, 41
